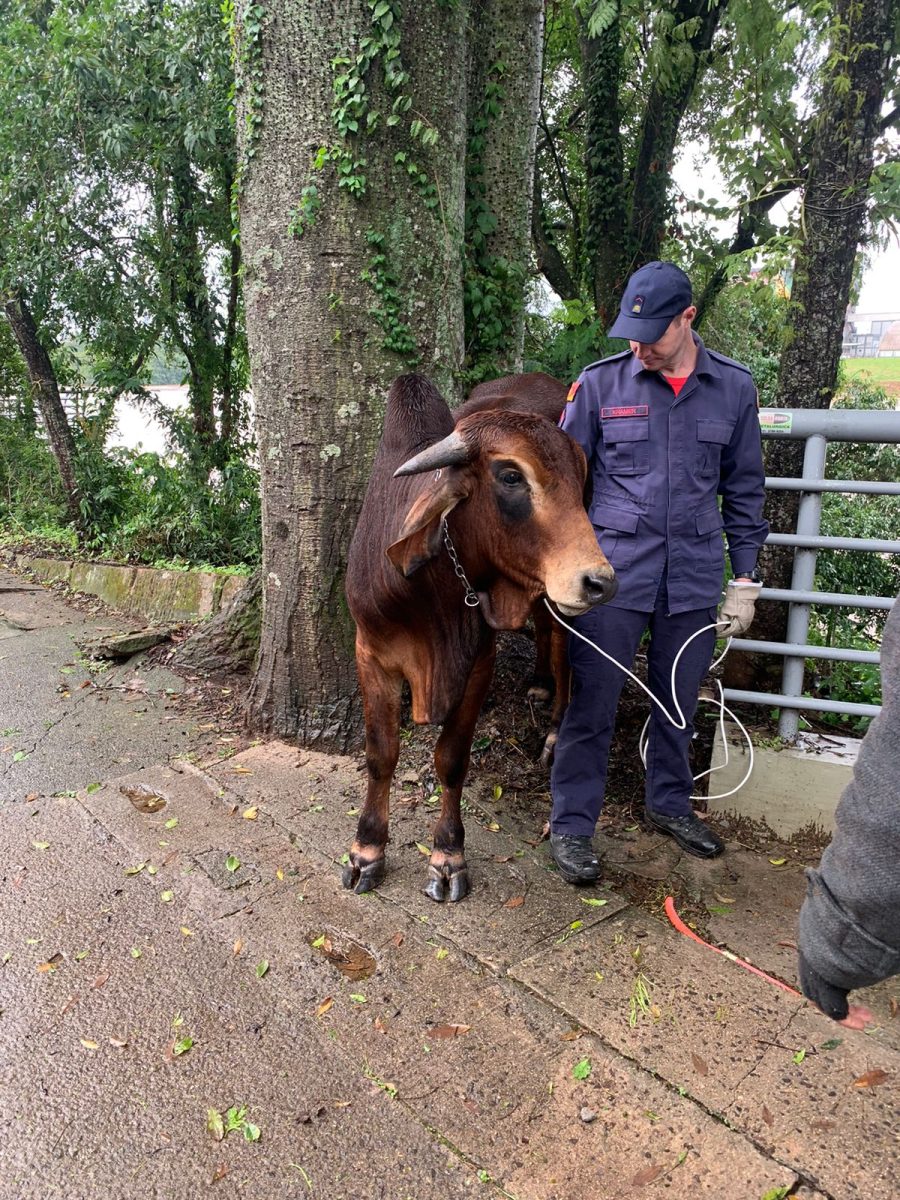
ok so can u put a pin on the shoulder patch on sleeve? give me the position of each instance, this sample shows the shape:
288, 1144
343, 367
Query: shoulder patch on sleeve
572, 390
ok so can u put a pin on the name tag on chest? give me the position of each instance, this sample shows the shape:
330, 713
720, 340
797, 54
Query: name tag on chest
635, 410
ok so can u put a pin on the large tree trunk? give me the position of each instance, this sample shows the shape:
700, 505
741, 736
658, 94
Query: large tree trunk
504, 98
833, 224
371, 287
604, 170
46, 391
666, 106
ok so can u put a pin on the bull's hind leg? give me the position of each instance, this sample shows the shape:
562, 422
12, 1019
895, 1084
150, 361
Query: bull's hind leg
447, 868
562, 675
381, 706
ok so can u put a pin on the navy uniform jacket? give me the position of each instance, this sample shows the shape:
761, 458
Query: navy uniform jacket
657, 463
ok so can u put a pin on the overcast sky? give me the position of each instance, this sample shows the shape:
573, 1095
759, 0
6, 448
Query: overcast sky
880, 290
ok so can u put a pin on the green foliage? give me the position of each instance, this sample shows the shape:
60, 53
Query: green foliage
745, 322
856, 573
139, 506
566, 341
493, 287
119, 232
388, 311
31, 494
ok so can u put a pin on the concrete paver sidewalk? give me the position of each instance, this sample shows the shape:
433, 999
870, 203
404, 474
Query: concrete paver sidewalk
534, 1041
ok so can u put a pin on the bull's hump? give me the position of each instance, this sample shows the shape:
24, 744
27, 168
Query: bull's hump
417, 415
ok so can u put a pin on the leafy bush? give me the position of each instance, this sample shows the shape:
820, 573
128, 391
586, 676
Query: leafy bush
140, 506
564, 342
31, 494
746, 322
136, 506
861, 573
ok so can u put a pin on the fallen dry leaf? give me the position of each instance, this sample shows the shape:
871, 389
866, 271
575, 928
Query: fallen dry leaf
502, 858
871, 1078
767, 1116
100, 981
895, 1007
647, 1175
119, 1043
380, 1025
238, 946
398, 939
571, 1035
515, 902
723, 899
237, 769
88, 1044
219, 1173
700, 1065
787, 945
68, 1006
324, 1006
250, 814
448, 1031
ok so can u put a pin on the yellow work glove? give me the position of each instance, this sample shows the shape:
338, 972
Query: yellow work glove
736, 613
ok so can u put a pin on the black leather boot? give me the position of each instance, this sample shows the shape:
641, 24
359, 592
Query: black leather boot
575, 858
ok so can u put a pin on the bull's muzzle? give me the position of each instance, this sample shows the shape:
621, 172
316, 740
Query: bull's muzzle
596, 587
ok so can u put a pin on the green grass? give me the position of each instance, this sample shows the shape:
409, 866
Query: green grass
879, 370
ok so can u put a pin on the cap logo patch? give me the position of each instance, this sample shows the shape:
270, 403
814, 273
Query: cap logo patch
638, 304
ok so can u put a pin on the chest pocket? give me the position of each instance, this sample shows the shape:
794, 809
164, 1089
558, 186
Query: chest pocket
712, 437
626, 445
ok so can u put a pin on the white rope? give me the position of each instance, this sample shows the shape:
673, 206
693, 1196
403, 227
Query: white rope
681, 723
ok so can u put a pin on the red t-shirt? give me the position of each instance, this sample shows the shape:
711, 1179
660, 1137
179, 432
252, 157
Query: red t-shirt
675, 383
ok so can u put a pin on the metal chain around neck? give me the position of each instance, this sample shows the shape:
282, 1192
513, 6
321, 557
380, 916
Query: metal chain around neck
471, 599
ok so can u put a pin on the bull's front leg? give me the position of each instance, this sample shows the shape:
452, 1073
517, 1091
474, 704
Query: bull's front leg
541, 683
381, 706
447, 869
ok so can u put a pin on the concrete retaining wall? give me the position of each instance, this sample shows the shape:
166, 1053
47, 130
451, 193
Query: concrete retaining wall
790, 788
150, 592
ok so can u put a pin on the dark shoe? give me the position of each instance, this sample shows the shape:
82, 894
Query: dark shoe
575, 858
689, 832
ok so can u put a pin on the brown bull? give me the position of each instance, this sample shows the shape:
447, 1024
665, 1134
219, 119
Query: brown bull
537, 393
461, 530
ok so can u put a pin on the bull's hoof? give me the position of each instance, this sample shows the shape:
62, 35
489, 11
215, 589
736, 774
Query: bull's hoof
549, 749
540, 689
448, 880
361, 875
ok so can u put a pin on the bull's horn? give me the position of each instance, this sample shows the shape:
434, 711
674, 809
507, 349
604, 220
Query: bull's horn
452, 451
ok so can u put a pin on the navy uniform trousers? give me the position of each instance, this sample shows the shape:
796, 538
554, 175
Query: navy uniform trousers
578, 779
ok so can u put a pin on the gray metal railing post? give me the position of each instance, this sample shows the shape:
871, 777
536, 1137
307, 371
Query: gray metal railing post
803, 579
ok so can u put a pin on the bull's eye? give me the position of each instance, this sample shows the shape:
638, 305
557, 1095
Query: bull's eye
510, 478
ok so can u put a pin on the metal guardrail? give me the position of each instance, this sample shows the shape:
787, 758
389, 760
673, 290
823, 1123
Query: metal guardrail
818, 427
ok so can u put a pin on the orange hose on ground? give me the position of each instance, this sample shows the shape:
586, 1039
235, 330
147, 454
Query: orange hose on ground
682, 928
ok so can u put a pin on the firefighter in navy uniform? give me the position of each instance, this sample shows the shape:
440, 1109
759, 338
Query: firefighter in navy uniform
667, 427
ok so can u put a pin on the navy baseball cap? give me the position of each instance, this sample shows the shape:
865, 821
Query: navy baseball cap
653, 296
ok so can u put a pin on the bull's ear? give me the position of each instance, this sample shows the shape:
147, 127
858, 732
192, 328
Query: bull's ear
420, 537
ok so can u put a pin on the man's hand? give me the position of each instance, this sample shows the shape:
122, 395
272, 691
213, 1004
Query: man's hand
830, 999
738, 607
